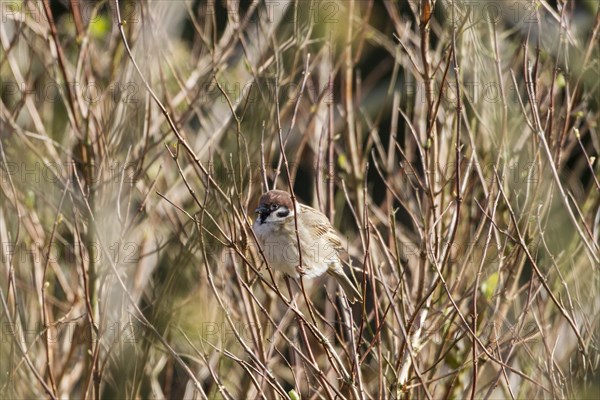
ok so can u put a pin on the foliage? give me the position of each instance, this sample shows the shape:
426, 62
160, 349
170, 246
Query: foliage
453, 144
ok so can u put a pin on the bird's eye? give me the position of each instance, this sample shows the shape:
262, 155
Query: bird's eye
274, 206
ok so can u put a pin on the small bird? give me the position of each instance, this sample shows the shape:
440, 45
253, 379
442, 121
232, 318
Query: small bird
275, 229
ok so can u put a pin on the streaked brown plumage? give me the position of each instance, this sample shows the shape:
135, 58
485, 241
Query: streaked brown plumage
276, 231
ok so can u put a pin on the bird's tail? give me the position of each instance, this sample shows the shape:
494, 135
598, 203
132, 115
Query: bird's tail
349, 288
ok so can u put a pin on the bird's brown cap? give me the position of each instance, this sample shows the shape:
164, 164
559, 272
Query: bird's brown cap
276, 197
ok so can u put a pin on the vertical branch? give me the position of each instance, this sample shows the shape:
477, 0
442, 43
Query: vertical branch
45, 315
71, 109
348, 92
330, 147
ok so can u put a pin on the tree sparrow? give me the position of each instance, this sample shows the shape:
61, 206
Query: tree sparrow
275, 230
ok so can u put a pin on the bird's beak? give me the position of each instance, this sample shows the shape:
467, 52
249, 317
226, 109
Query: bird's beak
262, 209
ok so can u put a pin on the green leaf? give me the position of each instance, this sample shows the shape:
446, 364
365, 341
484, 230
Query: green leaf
560, 81
488, 287
99, 27
342, 161
30, 199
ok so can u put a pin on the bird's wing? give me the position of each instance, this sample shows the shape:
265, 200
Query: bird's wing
320, 226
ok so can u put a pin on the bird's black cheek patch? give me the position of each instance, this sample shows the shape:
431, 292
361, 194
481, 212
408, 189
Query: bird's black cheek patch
283, 214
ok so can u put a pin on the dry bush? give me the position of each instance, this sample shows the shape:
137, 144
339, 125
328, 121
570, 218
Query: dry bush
453, 144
